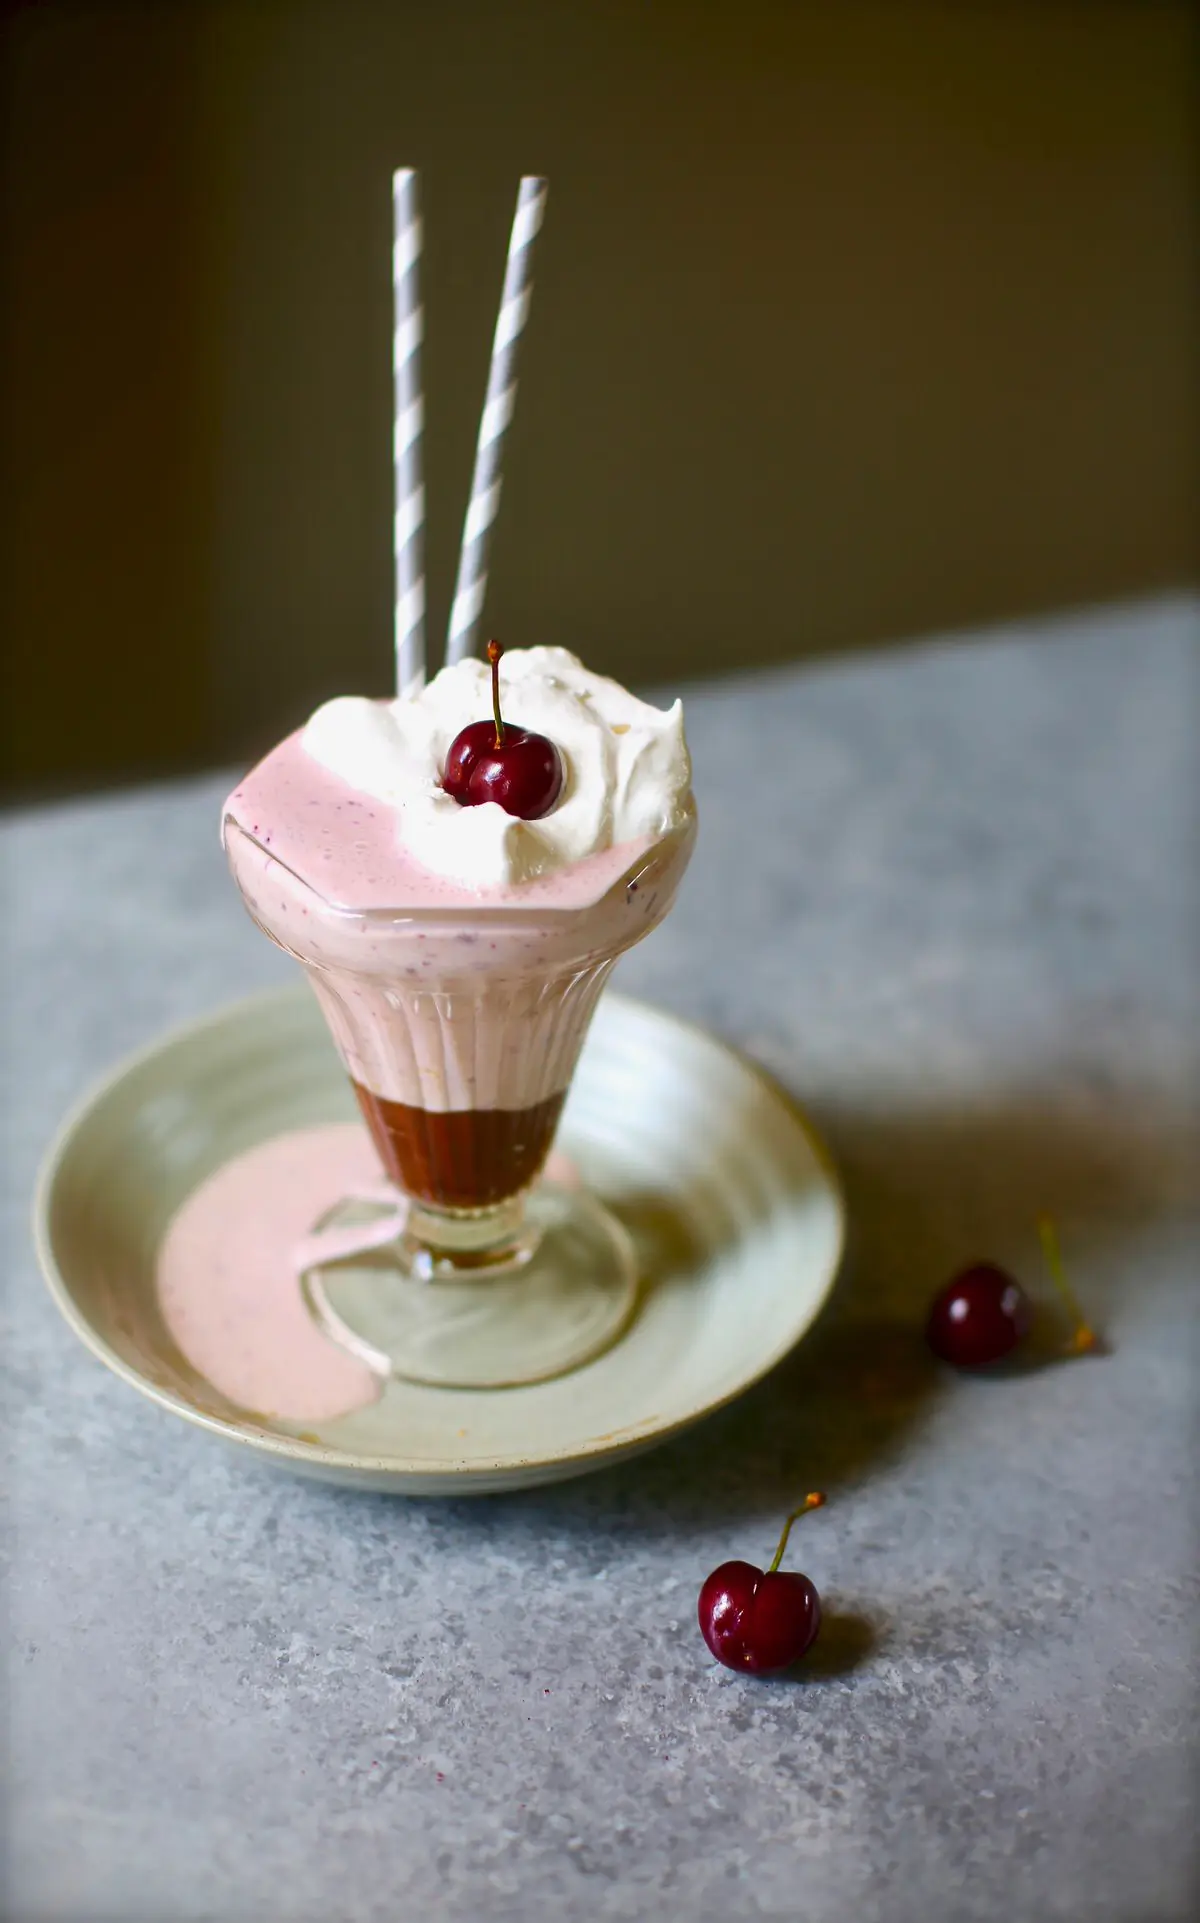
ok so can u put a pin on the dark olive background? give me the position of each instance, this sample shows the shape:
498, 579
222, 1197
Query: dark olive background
852, 322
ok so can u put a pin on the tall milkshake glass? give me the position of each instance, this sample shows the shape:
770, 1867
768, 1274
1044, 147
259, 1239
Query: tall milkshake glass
459, 1025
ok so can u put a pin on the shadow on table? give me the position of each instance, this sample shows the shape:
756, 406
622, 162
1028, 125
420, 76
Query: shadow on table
845, 1643
925, 1193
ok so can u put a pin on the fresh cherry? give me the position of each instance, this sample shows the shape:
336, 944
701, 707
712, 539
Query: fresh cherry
495, 761
983, 1312
978, 1317
758, 1621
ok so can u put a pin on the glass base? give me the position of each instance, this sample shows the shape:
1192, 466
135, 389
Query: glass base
531, 1291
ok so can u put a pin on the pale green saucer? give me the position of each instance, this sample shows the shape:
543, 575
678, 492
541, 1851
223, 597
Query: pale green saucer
729, 1197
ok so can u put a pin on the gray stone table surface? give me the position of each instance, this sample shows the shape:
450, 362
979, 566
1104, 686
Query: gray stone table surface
946, 896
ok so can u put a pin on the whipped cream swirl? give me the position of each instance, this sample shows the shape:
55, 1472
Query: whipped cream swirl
627, 772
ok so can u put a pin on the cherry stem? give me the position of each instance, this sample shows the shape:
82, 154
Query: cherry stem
814, 1501
1084, 1337
494, 651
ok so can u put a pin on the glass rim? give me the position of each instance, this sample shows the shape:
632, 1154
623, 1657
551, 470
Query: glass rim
496, 913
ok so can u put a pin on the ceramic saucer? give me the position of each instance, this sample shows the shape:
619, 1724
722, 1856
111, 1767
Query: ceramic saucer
731, 1202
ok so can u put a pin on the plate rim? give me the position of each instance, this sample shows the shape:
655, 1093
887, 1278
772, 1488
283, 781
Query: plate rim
397, 1471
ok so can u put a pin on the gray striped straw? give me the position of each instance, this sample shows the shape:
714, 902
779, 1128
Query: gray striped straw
497, 413
408, 420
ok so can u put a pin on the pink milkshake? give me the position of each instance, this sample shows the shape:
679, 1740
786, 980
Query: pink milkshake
458, 951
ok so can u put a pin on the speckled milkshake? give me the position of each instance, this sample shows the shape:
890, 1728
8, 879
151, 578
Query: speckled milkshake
458, 953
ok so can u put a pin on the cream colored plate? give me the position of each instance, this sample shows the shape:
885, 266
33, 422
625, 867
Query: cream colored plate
731, 1200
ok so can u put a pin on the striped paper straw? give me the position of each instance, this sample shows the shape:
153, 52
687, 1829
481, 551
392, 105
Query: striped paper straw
497, 413
408, 420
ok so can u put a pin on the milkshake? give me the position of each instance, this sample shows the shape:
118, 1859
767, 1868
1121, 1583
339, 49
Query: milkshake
457, 949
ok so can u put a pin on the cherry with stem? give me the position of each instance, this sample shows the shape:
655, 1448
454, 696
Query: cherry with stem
983, 1313
756, 1620
494, 760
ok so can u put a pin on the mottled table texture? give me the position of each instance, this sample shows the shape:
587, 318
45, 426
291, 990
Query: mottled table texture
946, 896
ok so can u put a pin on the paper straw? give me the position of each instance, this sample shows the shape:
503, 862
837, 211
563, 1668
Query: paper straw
408, 420
497, 413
